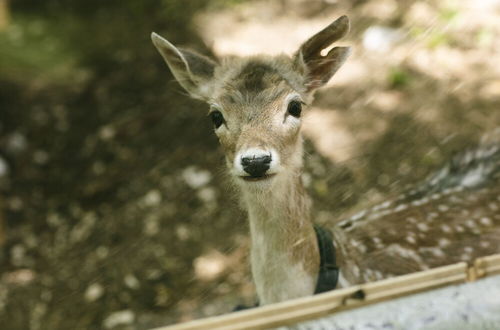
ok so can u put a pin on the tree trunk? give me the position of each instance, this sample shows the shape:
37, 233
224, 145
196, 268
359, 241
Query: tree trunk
4, 14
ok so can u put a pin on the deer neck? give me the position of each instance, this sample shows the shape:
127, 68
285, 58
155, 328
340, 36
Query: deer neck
284, 252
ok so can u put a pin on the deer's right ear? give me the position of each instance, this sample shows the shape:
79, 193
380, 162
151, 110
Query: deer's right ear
192, 71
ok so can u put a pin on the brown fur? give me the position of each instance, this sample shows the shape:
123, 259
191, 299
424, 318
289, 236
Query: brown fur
252, 94
454, 217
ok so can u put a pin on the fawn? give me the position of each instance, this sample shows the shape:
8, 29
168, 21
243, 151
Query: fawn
256, 105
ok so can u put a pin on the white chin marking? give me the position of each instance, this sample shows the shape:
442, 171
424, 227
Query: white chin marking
255, 153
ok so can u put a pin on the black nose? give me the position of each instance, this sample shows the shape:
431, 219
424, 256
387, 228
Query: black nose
256, 166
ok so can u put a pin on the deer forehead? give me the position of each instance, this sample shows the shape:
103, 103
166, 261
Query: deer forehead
256, 79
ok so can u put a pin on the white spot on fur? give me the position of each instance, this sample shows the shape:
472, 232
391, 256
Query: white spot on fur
446, 229
411, 239
486, 221
424, 200
455, 199
432, 215
443, 242
418, 202
361, 248
406, 253
392, 232
422, 227
484, 244
386, 204
436, 252
355, 270
436, 196
474, 177
378, 242
378, 275
400, 208
470, 223
443, 208
382, 206
411, 220
358, 216
343, 283
493, 206
465, 257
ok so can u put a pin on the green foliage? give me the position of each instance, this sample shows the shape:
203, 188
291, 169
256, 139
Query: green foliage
449, 14
432, 38
398, 77
437, 39
30, 48
485, 37
416, 31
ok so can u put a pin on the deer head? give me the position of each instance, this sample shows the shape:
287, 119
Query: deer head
256, 102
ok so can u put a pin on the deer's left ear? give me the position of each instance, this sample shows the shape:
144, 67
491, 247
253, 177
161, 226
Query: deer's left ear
321, 68
191, 70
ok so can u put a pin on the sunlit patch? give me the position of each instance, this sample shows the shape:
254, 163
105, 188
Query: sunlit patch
209, 266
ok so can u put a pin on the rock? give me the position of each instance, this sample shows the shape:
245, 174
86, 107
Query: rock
196, 178
131, 281
93, 292
152, 198
16, 142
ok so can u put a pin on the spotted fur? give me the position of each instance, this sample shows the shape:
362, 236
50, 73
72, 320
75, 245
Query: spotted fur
453, 216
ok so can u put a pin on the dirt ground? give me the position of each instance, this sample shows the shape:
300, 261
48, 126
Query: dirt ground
115, 211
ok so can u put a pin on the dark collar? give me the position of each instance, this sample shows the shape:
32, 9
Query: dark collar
328, 270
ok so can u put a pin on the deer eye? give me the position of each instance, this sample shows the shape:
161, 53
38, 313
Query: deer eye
294, 108
217, 118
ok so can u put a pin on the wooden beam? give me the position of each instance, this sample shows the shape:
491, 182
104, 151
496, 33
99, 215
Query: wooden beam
307, 308
487, 266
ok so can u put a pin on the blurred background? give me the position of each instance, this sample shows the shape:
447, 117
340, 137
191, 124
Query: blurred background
115, 211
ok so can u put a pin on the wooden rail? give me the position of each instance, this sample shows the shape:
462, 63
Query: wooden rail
307, 308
